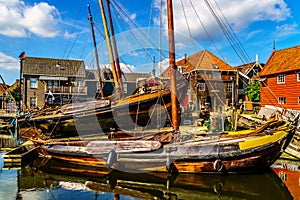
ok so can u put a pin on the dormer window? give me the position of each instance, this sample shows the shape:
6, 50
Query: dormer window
215, 66
298, 76
180, 69
281, 79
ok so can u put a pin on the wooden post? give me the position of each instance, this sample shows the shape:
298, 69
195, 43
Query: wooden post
109, 47
119, 77
173, 67
95, 50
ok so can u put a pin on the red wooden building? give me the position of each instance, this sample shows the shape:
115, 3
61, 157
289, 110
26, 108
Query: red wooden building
280, 79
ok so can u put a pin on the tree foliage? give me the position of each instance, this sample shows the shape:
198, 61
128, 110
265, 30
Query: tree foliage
253, 91
15, 93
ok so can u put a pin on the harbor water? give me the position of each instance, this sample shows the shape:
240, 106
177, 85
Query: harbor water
46, 178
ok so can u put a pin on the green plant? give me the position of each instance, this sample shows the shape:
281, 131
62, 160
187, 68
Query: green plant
253, 91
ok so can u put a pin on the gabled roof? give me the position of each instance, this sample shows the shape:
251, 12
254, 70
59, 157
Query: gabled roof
15, 84
244, 68
2, 88
53, 67
203, 60
247, 68
282, 61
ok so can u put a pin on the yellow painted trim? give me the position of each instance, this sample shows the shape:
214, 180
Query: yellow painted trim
243, 132
138, 98
262, 140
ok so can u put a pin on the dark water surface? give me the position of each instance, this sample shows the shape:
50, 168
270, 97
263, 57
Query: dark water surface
50, 179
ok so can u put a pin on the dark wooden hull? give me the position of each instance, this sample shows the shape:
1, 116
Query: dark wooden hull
161, 185
228, 154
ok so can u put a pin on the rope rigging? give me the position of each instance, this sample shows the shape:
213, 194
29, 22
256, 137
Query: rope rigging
229, 35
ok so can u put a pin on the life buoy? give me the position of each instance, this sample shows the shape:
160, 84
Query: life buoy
218, 187
218, 165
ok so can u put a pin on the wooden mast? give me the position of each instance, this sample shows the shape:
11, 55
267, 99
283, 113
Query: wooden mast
173, 67
109, 48
115, 48
90, 18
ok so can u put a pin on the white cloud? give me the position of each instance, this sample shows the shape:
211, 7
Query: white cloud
8, 63
133, 53
286, 29
133, 16
180, 45
163, 65
127, 68
240, 14
20, 20
69, 35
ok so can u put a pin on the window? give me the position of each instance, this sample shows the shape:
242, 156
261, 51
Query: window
55, 84
33, 83
79, 83
299, 100
180, 69
298, 76
216, 75
281, 100
201, 86
125, 87
32, 102
281, 78
229, 87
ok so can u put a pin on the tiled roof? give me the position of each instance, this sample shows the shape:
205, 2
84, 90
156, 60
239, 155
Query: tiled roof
203, 60
2, 88
282, 61
49, 67
245, 67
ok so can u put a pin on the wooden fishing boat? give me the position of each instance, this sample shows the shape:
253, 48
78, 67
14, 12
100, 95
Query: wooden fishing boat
231, 152
82, 118
20, 155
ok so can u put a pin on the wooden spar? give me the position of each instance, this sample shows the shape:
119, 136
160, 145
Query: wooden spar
109, 47
175, 121
115, 48
90, 18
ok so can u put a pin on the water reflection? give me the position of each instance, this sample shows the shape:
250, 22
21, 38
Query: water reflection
46, 178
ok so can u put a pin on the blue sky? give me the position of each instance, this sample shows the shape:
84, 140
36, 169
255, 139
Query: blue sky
60, 29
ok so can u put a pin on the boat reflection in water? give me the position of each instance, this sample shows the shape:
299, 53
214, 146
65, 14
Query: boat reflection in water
61, 180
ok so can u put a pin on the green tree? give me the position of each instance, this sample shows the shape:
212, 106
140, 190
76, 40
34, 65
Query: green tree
15, 93
253, 91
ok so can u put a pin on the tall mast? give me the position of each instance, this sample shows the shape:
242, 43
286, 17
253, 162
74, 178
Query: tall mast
109, 47
173, 67
115, 47
90, 18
